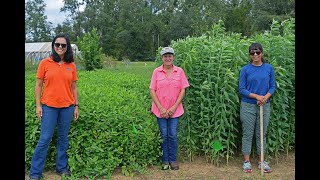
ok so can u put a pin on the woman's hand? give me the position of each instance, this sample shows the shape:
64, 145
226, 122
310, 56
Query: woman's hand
76, 113
172, 110
262, 100
39, 112
163, 112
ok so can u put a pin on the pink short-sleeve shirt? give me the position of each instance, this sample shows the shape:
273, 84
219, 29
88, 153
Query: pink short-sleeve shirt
168, 88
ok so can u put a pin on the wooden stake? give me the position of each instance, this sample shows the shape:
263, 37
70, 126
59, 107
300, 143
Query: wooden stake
261, 140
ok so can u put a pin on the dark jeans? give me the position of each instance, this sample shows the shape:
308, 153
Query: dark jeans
50, 118
168, 131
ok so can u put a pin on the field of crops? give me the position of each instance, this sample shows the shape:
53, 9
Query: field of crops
116, 130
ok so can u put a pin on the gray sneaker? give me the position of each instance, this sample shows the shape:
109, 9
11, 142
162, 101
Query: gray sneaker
33, 178
165, 166
247, 167
266, 167
65, 173
174, 166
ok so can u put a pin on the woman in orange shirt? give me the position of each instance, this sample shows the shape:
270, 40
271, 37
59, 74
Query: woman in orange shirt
167, 89
56, 103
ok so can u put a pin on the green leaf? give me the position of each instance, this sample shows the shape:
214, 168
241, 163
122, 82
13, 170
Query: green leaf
134, 130
217, 145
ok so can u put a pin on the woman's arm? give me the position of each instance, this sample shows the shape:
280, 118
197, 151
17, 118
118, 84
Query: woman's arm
38, 90
173, 108
163, 111
75, 95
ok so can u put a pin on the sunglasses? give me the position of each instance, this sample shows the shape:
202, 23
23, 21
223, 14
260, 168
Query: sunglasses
255, 52
57, 45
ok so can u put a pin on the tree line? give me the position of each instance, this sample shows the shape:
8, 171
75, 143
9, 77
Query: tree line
135, 29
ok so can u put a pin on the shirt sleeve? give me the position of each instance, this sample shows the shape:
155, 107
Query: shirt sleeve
272, 82
184, 80
242, 83
153, 84
74, 73
41, 70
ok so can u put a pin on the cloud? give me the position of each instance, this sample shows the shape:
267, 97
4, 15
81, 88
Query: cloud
52, 11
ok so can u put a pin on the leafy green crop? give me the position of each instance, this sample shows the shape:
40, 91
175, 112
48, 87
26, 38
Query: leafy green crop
115, 128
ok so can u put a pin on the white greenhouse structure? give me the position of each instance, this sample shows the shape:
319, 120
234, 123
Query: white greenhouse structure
34, 52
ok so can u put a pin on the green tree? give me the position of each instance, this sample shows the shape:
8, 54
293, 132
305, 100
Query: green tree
237, 18
91, 51
135, 29
67, 28
37, 29
265, 11
75, 18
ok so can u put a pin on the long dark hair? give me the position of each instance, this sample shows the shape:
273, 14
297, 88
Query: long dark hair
68, 56
257, 46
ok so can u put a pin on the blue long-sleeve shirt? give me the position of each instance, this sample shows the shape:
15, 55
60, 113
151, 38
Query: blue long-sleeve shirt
258, 80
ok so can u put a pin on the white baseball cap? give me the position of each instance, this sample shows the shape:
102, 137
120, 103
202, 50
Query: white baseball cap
166, 50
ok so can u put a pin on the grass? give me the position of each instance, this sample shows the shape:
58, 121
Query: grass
144, 69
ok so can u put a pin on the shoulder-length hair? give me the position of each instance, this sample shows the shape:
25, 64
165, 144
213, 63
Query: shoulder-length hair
256, 46
68, 56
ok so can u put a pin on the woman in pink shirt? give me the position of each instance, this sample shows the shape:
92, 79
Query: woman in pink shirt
167, 89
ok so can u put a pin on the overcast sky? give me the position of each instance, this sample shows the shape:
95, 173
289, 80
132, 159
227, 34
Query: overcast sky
52, 11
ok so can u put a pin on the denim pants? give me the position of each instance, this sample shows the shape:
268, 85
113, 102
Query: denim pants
51, 117
250, 118
168, 131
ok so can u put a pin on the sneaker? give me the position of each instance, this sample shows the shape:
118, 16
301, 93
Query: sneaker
247, 167
165, 166
174, 166
65, 173
33, 178
266, 167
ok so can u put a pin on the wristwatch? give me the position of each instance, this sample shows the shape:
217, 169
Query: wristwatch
76, 105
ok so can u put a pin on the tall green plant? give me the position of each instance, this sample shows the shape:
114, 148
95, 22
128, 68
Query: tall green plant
91, 50
212, 64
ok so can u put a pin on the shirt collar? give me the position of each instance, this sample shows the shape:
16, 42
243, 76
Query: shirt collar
51, 59
174, 68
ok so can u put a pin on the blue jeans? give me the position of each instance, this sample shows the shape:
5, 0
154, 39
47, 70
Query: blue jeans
51, 117
168, 131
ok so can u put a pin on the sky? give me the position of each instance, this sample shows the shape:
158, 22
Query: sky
52, 11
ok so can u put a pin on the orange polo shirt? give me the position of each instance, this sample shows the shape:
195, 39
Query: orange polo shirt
168, 88
57, 90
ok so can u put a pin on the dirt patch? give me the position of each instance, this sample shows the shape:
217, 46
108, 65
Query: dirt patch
200, 169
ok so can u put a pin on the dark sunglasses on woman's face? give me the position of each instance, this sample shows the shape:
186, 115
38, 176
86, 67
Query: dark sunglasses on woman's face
253, 52
57, 45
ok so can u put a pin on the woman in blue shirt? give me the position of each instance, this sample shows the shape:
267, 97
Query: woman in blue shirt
256, 85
